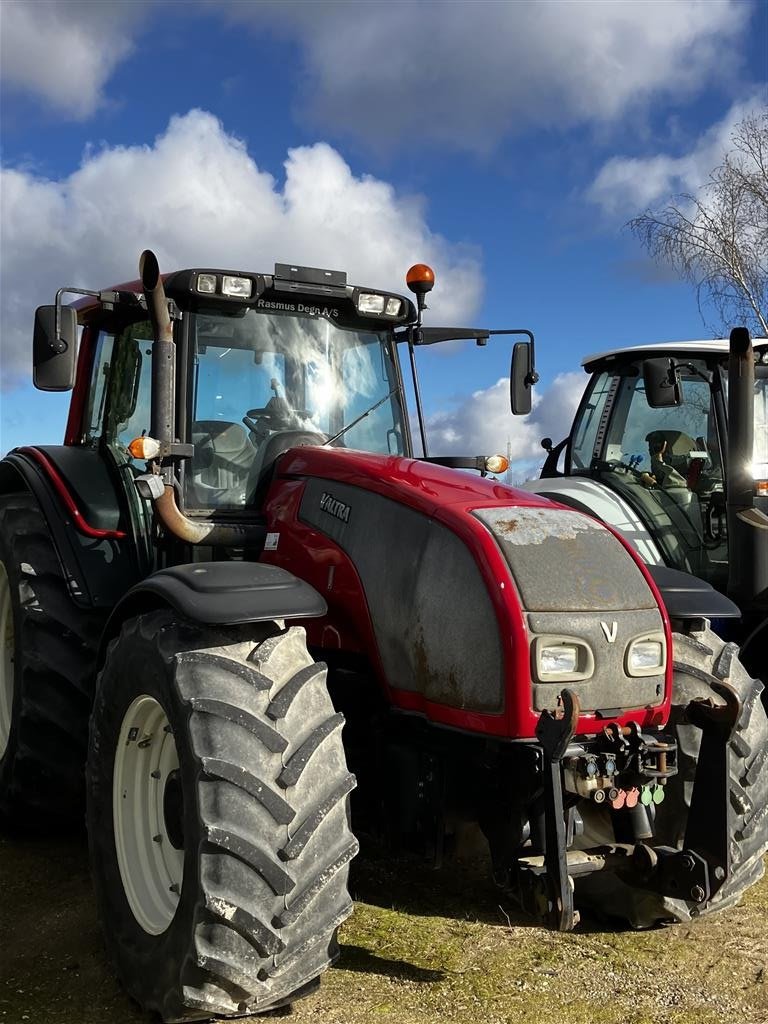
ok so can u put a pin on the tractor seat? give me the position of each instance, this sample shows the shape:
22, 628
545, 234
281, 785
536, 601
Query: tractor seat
221, 463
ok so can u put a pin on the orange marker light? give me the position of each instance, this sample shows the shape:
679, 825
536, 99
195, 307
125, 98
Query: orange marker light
497, 464
144, 448
420, 278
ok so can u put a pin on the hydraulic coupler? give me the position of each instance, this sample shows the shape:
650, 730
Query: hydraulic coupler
627, 771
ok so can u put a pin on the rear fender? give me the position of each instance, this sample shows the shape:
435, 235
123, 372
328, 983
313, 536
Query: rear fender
95, 560
218, 593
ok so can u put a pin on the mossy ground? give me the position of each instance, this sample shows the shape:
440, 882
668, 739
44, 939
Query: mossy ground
421, 948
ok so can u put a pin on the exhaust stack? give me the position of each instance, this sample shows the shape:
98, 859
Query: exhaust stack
747, 547
163, 350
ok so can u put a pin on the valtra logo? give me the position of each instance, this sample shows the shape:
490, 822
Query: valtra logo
334, 507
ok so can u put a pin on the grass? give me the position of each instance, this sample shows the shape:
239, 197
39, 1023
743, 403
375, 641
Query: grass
421, 948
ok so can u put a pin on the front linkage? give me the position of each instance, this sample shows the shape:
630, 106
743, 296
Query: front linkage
627, 770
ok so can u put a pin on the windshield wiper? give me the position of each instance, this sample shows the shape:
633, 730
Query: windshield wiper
362, 416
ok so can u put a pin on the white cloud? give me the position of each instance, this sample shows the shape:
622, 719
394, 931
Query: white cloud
626, 186
462, 74
197, 197
482, 424
467, 74
64, 51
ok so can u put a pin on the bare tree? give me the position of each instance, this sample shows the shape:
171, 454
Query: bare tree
718, 238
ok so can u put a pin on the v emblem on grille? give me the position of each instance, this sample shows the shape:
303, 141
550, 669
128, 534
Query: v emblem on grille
610, 631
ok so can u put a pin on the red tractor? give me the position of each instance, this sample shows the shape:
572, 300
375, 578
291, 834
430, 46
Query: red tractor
235, 552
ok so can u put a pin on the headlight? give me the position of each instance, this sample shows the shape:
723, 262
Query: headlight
367, 302
236, 287
206, 283
559, 660
646, 656
562, 659
393, 307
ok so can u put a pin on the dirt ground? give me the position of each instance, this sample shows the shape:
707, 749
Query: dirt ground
421, 948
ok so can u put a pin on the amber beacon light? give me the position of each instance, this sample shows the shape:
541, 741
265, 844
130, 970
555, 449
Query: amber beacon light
420, 280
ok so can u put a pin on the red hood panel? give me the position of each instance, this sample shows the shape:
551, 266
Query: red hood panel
421, 485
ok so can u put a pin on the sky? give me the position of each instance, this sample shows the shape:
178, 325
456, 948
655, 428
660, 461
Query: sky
506, 144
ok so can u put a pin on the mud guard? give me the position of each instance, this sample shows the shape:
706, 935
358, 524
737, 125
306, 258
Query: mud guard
219, 593
95, 557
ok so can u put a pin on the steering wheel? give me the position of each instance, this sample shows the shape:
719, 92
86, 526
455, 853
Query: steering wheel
276, 415
618, 464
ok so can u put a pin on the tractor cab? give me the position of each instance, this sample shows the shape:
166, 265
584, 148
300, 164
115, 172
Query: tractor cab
262, 363
666, 454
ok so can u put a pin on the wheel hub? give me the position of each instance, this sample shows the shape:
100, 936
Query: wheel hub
148, 814
173, 810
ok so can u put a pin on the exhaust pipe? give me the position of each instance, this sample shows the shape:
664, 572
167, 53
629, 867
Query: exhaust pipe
163, 352
162, 420
747, 548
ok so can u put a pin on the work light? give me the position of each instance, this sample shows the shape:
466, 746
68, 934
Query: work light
206, 283
236, 287
368, 302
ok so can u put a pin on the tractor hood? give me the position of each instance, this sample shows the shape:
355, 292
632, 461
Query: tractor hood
469, 585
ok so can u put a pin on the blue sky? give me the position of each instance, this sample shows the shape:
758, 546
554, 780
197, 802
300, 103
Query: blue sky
504, 143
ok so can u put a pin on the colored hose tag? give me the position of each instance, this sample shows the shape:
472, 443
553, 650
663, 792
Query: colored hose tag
633, 795
658, 795
646, 796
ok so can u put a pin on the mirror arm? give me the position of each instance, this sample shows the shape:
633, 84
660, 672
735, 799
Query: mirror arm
532, 377
707, 377
58, 344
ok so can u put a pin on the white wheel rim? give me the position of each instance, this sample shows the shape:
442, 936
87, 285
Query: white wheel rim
6, 660
150, 866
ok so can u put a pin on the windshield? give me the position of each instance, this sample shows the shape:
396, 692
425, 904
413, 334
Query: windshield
666, 463
266, 382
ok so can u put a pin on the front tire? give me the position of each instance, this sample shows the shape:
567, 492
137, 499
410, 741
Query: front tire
217, 815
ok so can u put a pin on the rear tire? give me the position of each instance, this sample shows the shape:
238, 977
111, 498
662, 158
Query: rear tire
256, 826
701, 658
46, 674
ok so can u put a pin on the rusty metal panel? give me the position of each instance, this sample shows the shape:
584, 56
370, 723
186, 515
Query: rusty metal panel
565, 561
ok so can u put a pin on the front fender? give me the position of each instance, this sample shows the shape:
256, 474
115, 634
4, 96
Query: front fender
219, 593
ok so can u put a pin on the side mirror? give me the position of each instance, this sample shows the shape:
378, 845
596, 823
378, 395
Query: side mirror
521, 378
662, 383
54, 357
